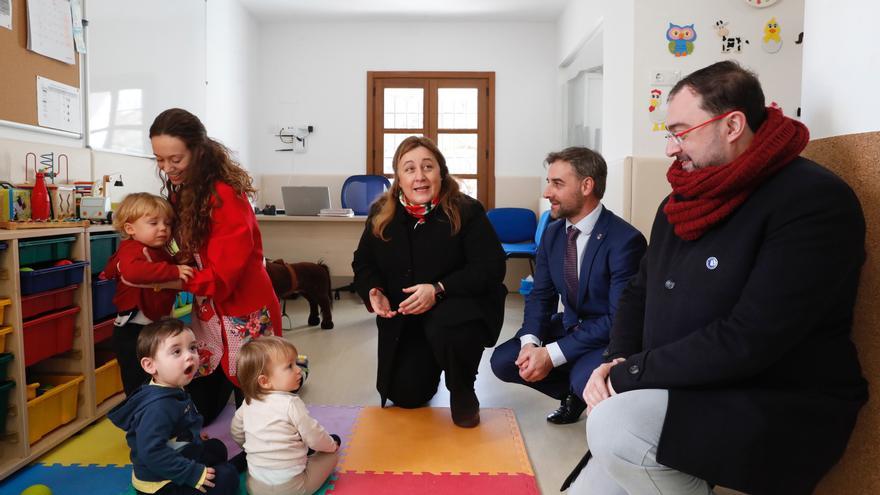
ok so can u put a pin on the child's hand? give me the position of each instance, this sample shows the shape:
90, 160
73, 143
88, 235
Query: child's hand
208, 477
185, 272
204, 435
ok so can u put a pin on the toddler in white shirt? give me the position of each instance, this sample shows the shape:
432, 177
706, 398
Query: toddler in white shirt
273, 425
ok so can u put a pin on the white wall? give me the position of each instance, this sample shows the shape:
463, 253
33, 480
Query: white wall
841, 73
779, 73
614, 21
232, 66
315, 74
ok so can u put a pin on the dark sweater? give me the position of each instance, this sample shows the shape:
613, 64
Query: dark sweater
156, 420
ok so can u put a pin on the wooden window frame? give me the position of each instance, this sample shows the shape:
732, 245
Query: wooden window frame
430, 81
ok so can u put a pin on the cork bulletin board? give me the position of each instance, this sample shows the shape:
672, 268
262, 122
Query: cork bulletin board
19, 68
854, 158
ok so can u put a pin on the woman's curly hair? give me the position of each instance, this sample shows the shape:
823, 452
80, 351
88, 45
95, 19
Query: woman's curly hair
210, 162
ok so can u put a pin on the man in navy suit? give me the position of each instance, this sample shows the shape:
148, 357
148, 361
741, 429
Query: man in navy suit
586, 260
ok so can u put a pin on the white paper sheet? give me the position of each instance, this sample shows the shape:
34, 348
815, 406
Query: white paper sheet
78, 37
6, 14
58, 106
50, 29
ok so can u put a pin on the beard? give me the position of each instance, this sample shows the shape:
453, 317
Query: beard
569, 207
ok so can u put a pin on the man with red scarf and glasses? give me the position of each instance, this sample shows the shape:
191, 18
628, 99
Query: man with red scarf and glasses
730, 359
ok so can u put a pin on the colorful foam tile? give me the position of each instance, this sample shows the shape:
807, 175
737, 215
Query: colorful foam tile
101, 444
433, 484
425, 440
70, 480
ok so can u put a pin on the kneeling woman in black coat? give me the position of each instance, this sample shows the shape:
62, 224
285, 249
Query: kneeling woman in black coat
431, 267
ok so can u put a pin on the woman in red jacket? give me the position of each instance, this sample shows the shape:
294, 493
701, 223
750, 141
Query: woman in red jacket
216, 231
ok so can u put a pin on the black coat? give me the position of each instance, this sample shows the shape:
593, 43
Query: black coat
469, 264
764, 382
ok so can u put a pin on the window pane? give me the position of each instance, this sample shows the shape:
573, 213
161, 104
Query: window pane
404, 108
460, 151
457, 108
392, 141
468, 186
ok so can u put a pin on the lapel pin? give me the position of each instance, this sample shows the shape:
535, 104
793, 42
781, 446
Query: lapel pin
712, 263
599, 236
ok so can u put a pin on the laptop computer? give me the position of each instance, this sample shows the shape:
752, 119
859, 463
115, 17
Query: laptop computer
305, 200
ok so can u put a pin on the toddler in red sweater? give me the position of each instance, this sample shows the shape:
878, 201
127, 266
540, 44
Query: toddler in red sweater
144, 221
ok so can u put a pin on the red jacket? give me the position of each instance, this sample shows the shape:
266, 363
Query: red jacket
233, 274
129, 262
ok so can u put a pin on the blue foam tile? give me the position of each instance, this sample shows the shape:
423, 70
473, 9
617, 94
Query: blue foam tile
70, 480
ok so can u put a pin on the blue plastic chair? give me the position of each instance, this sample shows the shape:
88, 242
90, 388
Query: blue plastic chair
519, 232
359, 192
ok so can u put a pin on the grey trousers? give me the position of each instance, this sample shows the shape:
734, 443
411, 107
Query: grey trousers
623, 432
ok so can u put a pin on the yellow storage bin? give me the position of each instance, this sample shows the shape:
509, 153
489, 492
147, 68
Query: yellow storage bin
32, 390
108, 381
4, 331
3, 303
54, 408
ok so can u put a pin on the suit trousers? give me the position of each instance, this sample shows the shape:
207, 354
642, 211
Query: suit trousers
425, 350
623, 432
570, 377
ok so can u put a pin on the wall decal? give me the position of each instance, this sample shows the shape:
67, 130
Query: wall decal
657, 111
729, 43
771, 42
800, 38
760, 4
681, 39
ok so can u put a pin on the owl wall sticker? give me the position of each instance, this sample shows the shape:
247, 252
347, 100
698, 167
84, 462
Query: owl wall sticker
681, 39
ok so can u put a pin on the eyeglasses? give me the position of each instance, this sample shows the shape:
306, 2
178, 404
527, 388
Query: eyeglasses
677, 136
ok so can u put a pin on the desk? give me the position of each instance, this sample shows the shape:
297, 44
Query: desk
295, 239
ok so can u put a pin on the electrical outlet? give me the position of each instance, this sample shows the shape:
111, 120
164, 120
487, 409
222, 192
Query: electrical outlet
660, 77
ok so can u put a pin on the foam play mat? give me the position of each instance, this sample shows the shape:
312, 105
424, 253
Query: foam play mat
384, 451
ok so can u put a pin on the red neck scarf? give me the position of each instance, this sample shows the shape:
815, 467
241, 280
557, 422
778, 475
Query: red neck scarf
417, 210
706, 196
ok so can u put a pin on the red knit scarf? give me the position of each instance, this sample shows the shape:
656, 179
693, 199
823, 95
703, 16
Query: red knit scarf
703, 197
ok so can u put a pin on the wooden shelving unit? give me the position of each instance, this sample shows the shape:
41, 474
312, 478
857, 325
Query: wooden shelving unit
15, 450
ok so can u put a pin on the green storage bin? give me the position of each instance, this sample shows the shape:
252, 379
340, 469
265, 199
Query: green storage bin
44, 250
5, 359
5, 392
102, 246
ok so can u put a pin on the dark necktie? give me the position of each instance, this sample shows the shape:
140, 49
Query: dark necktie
570, 265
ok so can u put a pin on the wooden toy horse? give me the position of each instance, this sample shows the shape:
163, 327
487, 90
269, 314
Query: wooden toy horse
311, 280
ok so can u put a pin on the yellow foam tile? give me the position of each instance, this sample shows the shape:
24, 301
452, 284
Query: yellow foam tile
101, 444
426, 441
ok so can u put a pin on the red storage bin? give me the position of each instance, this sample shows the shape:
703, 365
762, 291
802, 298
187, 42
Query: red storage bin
45, 302
104, 330
49, 335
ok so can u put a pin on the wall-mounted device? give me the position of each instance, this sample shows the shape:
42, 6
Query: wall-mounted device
295, 137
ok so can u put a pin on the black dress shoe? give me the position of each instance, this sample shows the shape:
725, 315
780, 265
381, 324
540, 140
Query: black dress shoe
570, 409
465, 408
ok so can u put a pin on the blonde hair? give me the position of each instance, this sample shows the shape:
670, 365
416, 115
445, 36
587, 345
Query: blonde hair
254, 359
136, 205
450, 194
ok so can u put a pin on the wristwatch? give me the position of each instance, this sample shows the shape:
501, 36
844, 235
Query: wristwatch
439, 293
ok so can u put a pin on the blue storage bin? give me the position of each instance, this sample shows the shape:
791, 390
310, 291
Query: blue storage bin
52, 277
102, 299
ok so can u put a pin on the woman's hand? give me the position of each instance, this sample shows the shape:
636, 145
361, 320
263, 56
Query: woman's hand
185, 272
422, 299
599, 385
380, 304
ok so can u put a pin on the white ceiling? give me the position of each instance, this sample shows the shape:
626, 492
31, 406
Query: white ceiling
400, 10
